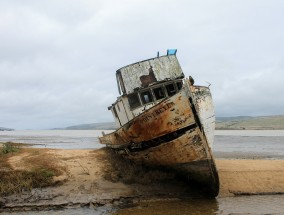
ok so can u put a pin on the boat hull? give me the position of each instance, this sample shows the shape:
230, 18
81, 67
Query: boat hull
188, 155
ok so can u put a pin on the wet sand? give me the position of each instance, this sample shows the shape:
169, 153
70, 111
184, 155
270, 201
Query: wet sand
90, 180
247, 177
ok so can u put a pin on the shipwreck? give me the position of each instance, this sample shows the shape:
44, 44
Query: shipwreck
165, 120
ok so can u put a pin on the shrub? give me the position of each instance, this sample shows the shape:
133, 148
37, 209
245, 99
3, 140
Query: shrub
18, 180
9, 147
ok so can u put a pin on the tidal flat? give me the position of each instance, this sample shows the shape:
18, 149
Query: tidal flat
90, 183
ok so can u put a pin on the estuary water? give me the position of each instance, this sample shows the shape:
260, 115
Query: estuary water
242, 205
249, 144
244, 144
56, 139
267, 144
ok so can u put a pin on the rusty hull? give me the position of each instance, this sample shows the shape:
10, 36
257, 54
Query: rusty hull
188, 154
166, 117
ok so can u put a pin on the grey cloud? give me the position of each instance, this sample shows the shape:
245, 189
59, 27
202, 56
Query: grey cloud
58, 58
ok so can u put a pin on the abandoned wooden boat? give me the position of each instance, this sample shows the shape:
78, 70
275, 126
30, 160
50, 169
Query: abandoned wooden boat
165, 120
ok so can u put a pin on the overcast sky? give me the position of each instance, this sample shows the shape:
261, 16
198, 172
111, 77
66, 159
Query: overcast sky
58, 57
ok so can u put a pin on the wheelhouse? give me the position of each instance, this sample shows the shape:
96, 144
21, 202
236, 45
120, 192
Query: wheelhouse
144, 84
153, 94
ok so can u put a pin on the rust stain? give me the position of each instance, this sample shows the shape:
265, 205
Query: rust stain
148, 79
184, 150
191, 157
166, 117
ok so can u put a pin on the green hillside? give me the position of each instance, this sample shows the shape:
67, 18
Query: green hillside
94, 126
251, 123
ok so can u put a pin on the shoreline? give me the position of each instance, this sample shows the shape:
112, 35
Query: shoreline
238, 155
91, 180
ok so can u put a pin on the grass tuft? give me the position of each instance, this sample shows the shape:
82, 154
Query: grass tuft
20, 180
40, 168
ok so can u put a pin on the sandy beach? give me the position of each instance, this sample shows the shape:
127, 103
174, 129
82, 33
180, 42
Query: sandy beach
91, 178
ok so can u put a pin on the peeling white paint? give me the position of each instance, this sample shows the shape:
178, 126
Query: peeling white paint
164, 67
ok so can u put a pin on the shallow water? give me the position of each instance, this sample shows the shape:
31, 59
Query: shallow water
249, 144
231, 205
266, 204
267, 144
57, 139
71, 211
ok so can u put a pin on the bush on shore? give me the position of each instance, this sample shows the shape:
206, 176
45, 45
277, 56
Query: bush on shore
9, 147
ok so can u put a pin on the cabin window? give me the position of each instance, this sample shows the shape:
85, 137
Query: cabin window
146, 97
114, 111
159, 93
179, 85
133, 100
170, 89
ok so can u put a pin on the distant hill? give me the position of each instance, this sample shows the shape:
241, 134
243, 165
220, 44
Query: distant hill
222, 123
6, 129
93, 126
250, 123
233, 118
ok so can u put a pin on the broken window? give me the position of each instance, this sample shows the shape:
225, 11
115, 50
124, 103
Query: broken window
159, 93
170, 89
133, 100
179, 85
146, 97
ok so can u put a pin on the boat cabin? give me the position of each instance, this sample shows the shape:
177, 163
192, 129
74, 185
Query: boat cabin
144, 84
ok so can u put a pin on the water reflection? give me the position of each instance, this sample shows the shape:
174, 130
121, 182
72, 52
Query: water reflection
194, 206
104, 210
266, 204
